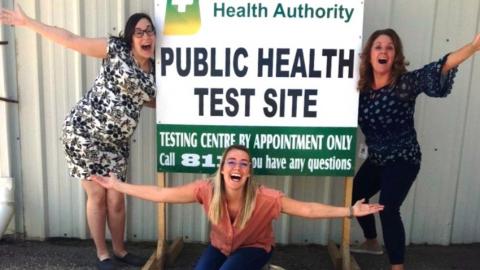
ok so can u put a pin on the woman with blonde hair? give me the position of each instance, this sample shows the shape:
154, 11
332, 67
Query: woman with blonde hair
241, 212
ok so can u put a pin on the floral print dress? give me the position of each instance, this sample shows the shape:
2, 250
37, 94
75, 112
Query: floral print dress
97, 130
386, 115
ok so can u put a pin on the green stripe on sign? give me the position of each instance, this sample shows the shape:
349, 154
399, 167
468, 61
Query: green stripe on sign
275, 150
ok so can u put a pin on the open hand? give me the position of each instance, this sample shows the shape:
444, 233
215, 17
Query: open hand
13, 17
362, 209
107, 182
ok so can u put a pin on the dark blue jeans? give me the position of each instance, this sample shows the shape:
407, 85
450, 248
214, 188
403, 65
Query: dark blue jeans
243, 258
393, 181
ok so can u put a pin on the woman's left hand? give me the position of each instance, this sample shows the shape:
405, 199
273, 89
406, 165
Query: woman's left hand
362, 209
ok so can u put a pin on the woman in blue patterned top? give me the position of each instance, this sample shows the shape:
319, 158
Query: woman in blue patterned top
97, 130
387, 104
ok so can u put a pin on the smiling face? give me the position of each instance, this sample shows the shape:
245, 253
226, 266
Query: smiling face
382, 55
143, 40
236, 169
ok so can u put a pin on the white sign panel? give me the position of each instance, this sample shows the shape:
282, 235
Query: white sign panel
278, 76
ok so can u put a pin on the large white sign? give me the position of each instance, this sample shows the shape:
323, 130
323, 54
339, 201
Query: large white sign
278, 76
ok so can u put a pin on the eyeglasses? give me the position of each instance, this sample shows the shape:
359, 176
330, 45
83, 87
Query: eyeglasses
139, 32
231, 163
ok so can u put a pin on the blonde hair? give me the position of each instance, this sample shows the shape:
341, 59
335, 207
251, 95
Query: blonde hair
215, 210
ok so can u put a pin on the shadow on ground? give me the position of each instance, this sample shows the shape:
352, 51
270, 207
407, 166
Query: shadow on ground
79, 254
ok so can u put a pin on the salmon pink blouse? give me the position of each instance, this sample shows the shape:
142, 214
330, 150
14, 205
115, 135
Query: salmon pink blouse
258, 231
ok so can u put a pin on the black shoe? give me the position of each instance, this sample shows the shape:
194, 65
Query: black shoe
106, 264
131, 259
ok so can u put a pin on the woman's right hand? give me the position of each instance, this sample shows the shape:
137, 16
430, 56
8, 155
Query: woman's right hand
13, 17
108, 182
476, 42
95, 47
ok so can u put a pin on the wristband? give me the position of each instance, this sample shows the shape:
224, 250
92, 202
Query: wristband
350, 216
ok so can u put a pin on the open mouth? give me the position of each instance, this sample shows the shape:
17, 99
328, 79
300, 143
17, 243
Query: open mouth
146, 47
382, 61
235, 177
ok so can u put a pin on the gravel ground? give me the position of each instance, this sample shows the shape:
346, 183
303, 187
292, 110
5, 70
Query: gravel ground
79, 254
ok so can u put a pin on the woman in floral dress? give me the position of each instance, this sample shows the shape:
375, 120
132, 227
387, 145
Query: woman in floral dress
97, 130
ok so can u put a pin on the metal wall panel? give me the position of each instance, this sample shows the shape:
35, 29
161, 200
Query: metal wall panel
466, 216
10, 165
442, 128
441, 207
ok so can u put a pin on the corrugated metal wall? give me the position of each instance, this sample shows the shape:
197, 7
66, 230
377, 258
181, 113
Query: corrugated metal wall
441, 207
9, 129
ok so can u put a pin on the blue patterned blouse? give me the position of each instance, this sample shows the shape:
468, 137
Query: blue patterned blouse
385, 115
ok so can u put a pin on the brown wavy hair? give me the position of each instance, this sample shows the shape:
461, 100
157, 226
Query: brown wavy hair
366, 70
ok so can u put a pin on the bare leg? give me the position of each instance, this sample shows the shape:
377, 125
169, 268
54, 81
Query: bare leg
397, 267
116, 220
96, 216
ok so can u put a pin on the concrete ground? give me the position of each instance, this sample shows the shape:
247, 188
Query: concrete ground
79, 254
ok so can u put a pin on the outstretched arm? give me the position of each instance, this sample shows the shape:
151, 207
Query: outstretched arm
180, 194
457, 57
95, 47
318, 210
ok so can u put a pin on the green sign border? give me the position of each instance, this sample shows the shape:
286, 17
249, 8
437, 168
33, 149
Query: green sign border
192, 149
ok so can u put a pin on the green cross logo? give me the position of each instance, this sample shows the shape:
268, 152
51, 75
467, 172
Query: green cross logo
182, 17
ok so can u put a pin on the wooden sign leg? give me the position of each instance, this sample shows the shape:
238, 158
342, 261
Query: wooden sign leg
345, 246
341, 258
158, 258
